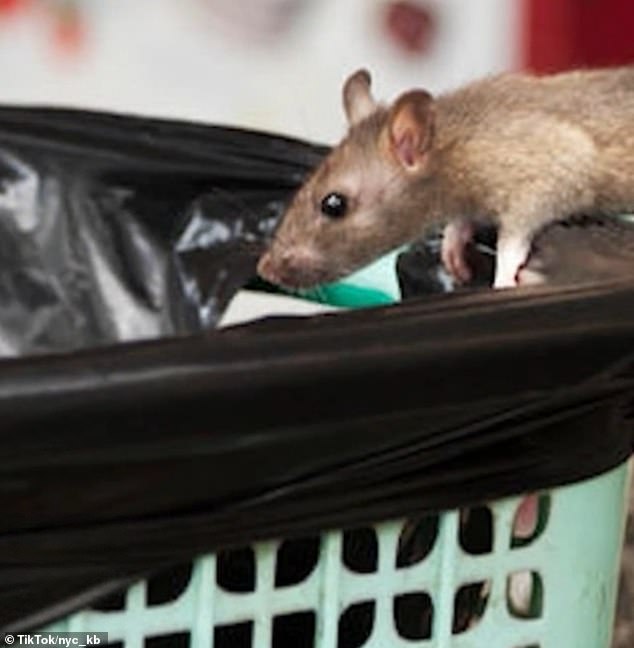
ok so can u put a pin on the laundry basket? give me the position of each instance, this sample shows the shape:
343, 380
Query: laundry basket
384, 599
573, 563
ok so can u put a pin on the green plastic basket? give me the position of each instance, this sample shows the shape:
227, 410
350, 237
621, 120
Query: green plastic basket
572, 565
575, 560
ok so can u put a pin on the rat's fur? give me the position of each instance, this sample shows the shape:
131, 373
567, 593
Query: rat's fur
517, 150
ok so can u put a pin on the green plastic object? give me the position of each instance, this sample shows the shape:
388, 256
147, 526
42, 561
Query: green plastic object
575, 559
373, 285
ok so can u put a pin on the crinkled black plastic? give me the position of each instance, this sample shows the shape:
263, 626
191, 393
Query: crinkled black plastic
106, 224
121, 458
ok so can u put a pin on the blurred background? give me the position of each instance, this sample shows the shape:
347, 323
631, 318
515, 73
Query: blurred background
279, 64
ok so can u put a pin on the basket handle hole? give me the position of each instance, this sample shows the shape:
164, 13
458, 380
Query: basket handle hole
361, 550
297, 630
413, 615
168, 584
530, 520
296, 560
175, 640
235, 570
235, 635
525, 595
356, 625
476, 530
470, 604
416, 540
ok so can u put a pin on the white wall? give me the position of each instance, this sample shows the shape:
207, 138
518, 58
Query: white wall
172, 58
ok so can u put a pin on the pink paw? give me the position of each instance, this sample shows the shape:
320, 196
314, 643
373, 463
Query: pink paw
456, 237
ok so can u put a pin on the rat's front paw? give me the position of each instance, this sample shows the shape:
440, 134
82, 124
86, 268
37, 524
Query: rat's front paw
512, 251
456, 265
456, 236
504, 282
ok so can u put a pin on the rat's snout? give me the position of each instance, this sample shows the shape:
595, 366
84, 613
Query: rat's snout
292, 267
266, 266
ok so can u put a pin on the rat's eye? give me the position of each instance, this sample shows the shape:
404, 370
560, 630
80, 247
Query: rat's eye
334, 205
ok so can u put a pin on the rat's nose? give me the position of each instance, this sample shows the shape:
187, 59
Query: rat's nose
265, 267
288, 267
274, 267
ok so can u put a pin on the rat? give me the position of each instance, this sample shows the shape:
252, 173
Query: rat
514, 150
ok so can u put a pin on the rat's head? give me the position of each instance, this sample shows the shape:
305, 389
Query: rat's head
356, 206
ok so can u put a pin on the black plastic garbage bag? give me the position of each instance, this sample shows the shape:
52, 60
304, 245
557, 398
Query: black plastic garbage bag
106, 224
121, 458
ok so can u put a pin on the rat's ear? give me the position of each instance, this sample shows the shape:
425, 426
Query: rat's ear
357, 98
410, 128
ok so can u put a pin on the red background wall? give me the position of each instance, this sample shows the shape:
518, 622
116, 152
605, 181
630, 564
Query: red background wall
560, 34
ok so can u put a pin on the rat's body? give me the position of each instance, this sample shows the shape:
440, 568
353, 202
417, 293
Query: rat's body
515, 150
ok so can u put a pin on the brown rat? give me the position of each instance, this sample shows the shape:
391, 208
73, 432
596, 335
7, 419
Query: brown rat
515, 150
